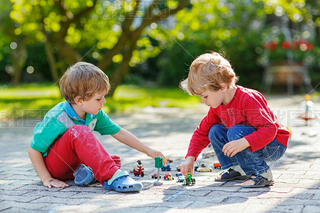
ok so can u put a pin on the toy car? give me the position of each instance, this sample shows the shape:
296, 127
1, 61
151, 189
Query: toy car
178, 174
166, 168
189, 180
155, 176
199, 165
217, 166
138, 170
180, 177
169, 160
202, 168
168, 176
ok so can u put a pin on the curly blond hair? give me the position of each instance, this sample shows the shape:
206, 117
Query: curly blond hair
208, 71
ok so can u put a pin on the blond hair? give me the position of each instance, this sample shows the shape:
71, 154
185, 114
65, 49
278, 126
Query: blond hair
84, 80
208, 71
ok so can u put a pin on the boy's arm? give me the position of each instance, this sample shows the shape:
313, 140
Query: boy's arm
42, 171
200, 139
131, 140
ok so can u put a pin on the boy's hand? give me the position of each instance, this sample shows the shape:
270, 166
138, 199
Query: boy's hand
187, 166
154, 153
51, 182
233, 147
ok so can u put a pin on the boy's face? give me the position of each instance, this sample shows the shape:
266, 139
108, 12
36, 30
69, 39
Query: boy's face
94, 104
212, 98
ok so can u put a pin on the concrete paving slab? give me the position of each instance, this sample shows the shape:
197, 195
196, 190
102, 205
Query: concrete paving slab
297, 174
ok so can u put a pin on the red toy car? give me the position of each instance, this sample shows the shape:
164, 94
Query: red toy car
168, 176
155, 176
217, 166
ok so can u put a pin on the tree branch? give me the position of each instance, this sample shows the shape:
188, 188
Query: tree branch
107, 57
150, 9
130, 17
123, 39
163, 14
129, 36
65, 24
60, 5
84, 12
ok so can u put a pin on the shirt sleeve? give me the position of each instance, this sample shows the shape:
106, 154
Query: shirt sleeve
45, 133
260, 117
200, 140
105, 126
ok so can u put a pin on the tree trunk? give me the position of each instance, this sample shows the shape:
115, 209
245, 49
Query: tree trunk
122, 69
131, 38
52, 61
71, 55
19, 57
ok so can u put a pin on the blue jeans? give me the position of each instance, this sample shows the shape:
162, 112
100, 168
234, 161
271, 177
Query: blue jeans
252, 163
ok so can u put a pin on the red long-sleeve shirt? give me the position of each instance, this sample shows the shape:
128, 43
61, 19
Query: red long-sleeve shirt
247, 107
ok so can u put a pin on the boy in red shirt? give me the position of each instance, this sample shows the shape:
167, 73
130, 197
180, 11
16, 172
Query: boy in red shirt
240, 126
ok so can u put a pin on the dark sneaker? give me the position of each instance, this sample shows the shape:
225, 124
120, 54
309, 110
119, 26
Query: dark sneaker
229, 175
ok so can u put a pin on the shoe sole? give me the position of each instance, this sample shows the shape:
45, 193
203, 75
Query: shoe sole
259, 186
129, 189
83, 176
231, 179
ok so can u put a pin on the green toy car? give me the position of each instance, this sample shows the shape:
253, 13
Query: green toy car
189, 180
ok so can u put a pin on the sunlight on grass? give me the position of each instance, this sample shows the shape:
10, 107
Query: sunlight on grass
29, 91
34, 100
132, 98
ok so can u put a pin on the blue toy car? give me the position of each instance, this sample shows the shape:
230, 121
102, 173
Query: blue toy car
180, 177
166, 168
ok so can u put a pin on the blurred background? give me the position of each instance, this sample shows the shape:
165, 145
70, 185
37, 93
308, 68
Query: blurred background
146, 47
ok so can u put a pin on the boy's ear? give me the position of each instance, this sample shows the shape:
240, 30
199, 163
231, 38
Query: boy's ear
78, 100
224, 87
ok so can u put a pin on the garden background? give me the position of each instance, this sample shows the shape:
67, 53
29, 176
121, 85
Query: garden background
146, 46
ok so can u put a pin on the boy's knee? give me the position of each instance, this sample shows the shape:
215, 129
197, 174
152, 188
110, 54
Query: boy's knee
215, 131
78, 130
239, 131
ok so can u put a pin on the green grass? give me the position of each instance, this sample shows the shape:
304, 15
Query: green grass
34, 100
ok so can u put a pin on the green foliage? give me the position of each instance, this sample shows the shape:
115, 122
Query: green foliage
237, 29
116, 34
295, 9
228, 27
174, 62
100, 29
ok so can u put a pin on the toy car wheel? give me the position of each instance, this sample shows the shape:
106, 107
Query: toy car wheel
193, 181
187, 181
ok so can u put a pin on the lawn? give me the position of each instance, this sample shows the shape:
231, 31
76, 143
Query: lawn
34, 100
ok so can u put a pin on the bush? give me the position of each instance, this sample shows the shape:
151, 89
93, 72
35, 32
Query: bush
174, 62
